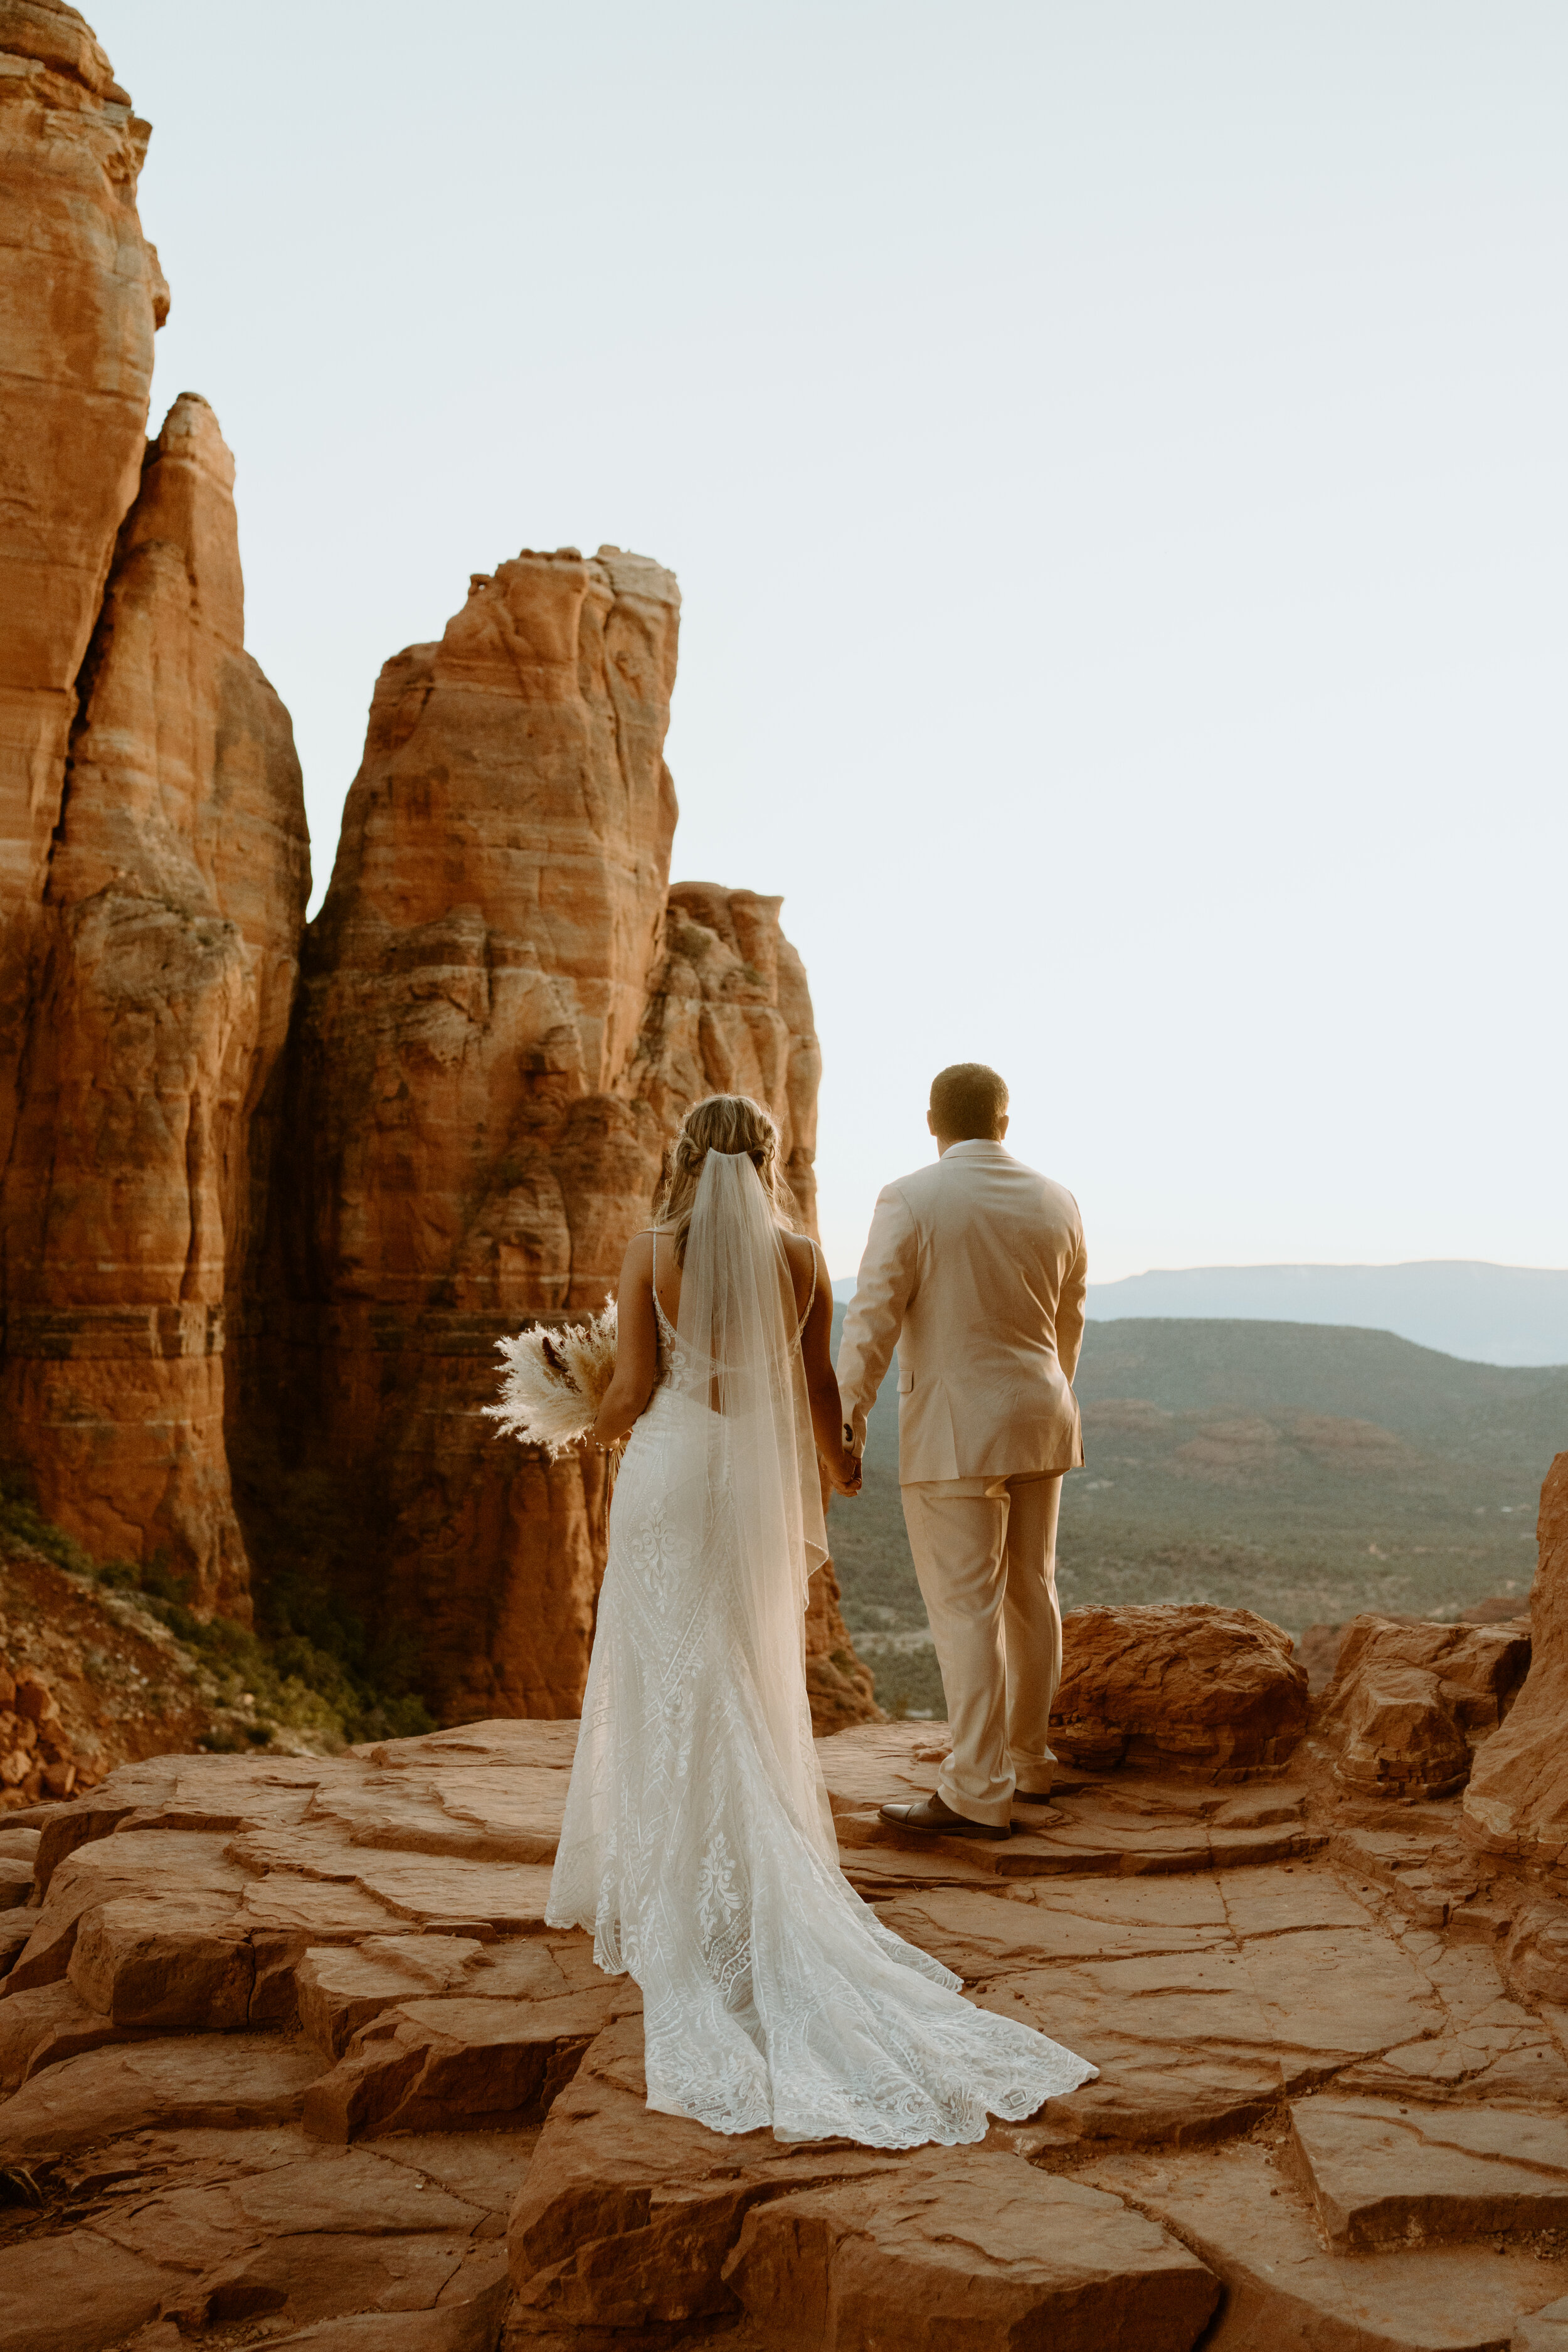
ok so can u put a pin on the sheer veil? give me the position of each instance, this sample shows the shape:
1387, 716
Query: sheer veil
737, 1325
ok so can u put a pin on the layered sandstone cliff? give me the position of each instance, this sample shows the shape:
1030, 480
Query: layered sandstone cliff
1517, 1801
82, 293
152, 854
161, 964
503, 1014
505, 1009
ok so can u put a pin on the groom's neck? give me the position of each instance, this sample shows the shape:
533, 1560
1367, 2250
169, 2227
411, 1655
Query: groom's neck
946, 1142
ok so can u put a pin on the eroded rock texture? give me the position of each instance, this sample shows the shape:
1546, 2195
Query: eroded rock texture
163, 963
506, 1008
504, 1013
1517, 1801
82, 295
1217, 1690
288, 2039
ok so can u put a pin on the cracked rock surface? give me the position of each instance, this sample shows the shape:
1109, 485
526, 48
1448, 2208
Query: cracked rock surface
290, 2057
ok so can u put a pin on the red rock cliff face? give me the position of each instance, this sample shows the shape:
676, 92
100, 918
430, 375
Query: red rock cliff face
163, 964
506, 1010
1517, 1801
504, 1016
80, 293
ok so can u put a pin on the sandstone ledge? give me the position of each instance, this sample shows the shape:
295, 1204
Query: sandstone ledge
286, 2040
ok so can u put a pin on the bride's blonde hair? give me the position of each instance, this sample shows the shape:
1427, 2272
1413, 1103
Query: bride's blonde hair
720, 1123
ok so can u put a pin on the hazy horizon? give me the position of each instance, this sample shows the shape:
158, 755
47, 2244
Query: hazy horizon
1478, 1312
1114, 463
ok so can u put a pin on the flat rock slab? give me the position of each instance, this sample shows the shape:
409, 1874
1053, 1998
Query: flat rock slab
473, 2324
1389, 2175
504, 1741
216, 2079
639, 2221
1243, 2213
958, 2247
1200, 2000
342, 1988
211, 2228
76, 2292
1544, 2331
319, 1909
449, 1896
510, 1815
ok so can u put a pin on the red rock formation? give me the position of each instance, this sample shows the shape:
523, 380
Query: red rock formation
504, 1016
1215, 1690
80, 293
1409, 1700
1517, 1801
162, 968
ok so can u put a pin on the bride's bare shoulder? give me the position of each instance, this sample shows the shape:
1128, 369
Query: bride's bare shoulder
637, 1263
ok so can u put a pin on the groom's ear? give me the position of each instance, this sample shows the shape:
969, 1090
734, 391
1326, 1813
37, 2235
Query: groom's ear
1002, 1127
931, 1122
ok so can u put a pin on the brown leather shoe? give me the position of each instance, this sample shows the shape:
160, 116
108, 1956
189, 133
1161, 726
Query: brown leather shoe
1033, 1796
935, 1819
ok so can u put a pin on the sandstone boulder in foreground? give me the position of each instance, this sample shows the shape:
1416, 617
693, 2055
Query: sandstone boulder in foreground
1217, 1690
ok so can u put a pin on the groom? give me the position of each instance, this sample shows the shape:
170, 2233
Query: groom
976, 1270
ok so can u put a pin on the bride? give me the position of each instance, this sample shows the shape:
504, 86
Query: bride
697, 1845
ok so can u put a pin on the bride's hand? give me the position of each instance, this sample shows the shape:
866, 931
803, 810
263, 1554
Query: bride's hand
844, 1472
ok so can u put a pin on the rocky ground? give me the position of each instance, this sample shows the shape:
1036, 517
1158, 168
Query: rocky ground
293, 2058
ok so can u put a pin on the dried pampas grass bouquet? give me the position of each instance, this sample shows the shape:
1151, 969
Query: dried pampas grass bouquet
554, 1381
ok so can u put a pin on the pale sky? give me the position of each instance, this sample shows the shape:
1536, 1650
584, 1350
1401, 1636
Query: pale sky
1114, 455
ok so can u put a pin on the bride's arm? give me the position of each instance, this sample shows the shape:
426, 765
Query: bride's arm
637, 1347
822, 1388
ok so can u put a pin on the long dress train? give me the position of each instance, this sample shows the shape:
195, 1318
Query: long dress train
697, 1845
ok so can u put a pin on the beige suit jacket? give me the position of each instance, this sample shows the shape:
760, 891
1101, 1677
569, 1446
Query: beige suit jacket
976, 1270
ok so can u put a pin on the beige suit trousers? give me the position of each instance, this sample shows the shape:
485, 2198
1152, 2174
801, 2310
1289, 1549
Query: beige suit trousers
986, 1554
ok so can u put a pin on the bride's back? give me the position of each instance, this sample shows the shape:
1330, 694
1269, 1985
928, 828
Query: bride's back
798, 1264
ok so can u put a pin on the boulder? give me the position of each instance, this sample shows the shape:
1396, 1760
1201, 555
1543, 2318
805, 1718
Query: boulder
1215, 1691
1517, 1801
1409, 1700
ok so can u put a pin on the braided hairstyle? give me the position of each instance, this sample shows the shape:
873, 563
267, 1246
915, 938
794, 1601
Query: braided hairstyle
720, 1123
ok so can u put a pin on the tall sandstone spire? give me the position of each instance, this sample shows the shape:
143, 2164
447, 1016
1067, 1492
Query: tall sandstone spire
153, 867
164, 959
504, 1013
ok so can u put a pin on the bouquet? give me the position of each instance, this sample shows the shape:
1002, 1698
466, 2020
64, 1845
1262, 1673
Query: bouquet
555, 1381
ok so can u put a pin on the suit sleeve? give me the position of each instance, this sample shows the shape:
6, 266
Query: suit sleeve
1069, 1311
876, 1316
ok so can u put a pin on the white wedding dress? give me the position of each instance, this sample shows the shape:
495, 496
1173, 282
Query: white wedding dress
697, 1845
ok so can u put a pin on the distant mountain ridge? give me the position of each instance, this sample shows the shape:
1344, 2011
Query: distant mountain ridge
1462, 1306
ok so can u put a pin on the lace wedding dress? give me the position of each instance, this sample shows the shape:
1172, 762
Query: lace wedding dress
697, 1845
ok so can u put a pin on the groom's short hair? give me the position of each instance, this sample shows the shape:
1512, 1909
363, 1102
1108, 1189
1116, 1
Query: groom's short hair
968, 1102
